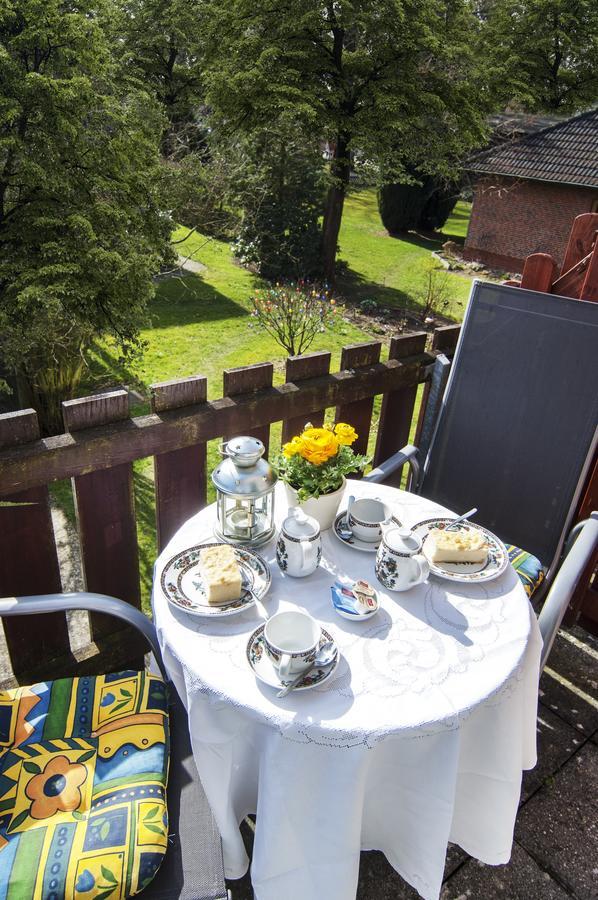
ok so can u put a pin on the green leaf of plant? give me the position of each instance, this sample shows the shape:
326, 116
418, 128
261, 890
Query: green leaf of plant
107, 874
32, 768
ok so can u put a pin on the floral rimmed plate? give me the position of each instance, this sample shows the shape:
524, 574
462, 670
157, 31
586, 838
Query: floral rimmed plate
476, 573
264, 670
183, 585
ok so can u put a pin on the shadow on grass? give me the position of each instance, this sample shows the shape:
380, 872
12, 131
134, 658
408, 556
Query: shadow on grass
179, 301
356, 288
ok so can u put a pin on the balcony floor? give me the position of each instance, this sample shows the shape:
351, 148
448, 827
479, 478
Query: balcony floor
555, 854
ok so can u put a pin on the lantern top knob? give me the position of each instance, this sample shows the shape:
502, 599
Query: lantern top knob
243, 472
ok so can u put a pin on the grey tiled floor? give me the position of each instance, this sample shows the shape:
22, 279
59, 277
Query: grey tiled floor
555, 854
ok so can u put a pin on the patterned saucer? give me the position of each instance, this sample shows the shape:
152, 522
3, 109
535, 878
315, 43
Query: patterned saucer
354, 542
466, 573
264, 670
183, 585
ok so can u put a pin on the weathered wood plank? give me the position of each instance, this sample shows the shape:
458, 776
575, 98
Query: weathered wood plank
539, 271
28, 558
106, 512
581, 240
589, 290
95, 449
396, 413
246, 380
358, 413
300, 368
180, 476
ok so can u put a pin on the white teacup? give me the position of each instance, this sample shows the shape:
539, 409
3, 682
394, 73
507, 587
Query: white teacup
400, 563
291, 640
366, 518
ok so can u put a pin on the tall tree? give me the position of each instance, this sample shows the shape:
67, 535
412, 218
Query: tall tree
544, 53
395, 81
81, 229
161, 42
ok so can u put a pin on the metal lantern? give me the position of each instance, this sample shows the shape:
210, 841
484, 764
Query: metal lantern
245, 493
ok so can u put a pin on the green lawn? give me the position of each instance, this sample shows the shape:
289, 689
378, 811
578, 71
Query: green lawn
201, 324
391, 270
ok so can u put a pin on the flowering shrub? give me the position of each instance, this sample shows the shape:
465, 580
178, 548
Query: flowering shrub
316, 461
293, 314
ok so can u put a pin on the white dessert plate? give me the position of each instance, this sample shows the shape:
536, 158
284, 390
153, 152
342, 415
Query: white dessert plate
354, 542
467, 573
183, 585
265, 670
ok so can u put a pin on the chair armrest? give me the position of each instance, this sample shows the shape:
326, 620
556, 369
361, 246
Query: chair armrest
47, 603
408, 454
566, 582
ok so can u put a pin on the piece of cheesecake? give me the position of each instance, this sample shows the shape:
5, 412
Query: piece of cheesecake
220, 573
456, 546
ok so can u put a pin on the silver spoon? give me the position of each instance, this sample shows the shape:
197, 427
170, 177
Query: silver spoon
343, 528
324, 657
470, 512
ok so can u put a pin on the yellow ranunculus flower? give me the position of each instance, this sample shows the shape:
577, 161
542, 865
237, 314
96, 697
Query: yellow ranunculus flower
345, 434
319, 444
294, 446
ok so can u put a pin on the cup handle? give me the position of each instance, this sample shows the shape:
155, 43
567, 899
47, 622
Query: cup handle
423, 567
284, 667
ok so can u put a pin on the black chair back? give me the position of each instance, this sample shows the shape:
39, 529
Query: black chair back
517, 428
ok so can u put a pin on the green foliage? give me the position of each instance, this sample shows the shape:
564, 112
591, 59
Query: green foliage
294, 314
423, 202
280, 190
81, 231
543, 54
396, 82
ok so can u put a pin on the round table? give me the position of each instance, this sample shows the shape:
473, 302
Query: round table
420, 736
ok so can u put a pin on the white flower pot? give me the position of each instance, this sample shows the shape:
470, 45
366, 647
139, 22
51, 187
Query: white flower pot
323, 508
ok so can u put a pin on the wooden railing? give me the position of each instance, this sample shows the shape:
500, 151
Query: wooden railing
101, 443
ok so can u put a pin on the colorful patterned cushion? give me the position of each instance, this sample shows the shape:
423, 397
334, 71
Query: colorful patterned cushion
83, 771
529, 568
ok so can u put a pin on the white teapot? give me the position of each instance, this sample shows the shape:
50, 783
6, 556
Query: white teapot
299, 544
400, 563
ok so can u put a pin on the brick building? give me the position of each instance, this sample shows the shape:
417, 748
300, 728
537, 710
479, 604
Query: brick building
528, 192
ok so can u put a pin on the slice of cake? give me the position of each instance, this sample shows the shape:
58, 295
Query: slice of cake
220, 573
456, 546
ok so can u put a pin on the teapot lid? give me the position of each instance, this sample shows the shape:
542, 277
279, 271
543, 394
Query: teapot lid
299, 525
401, 539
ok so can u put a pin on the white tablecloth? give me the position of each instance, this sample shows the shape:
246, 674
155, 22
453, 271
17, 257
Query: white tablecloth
420, 737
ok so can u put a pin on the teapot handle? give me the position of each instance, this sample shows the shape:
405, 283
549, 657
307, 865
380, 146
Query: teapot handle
308, 553
423, 567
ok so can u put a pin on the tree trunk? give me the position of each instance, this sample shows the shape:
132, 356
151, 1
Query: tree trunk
340, 171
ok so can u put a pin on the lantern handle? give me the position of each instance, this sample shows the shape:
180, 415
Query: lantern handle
222, 448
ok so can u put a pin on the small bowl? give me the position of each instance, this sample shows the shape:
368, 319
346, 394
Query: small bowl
348, 603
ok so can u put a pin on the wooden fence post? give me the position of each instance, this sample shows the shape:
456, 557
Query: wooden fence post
396, 412
106, 512
28, 559
246, 380
180, 475
298, 368
359, 412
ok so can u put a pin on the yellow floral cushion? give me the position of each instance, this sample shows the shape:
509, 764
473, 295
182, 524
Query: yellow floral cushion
83, 771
